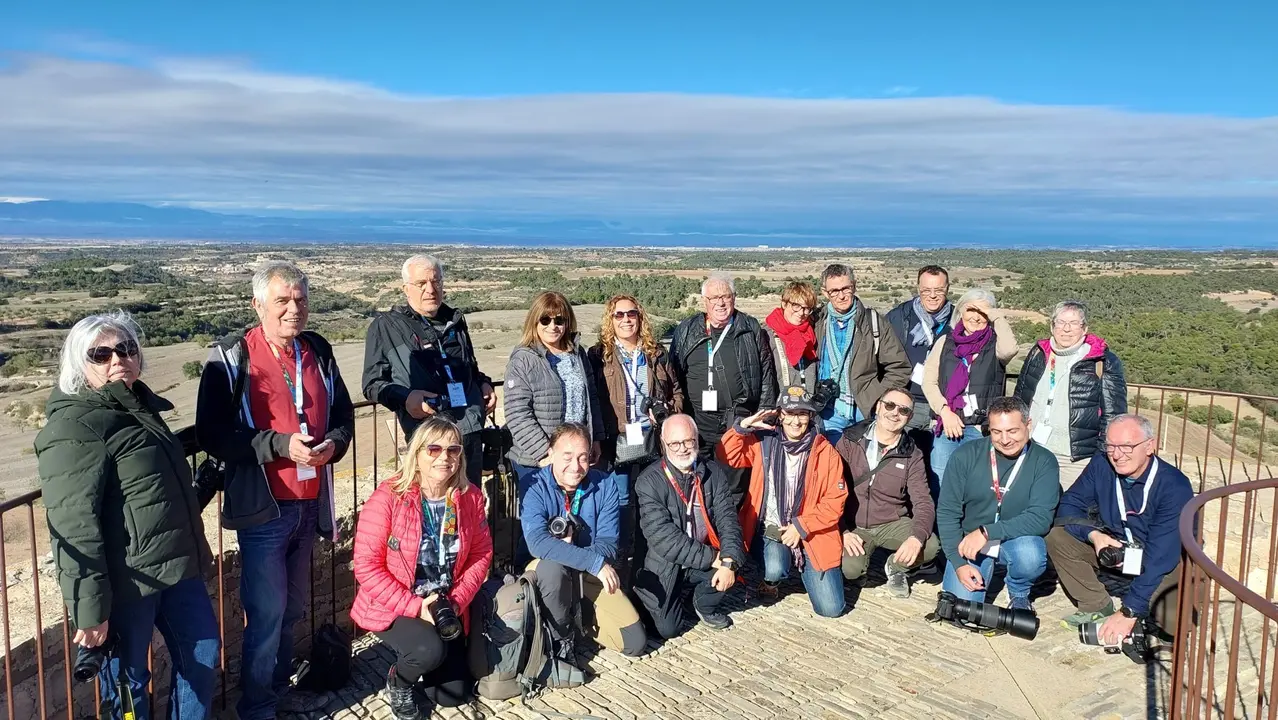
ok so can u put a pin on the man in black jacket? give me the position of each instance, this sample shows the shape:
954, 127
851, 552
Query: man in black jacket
918, 323
419, 361
272, 406
693, 536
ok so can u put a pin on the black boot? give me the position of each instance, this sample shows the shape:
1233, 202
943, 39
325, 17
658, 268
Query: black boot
399, 695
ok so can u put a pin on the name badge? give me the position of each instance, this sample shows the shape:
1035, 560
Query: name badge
969, 404
1133, 559
634, 433
1041, 433
456, 395
709, 400
916, 377
991, 548
305, 472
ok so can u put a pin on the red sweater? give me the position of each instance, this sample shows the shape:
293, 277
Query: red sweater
272, 404
386, 576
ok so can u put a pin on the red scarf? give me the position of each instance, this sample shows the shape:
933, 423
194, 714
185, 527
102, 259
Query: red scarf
799, 340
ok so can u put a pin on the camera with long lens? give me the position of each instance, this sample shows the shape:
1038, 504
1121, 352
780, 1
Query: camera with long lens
447, 624
89, 660
561, 527
660, 409
1136, 646
825, 392
985, 616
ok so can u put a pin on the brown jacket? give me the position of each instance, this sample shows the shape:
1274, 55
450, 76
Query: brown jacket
897, 488
870, 374
610, 384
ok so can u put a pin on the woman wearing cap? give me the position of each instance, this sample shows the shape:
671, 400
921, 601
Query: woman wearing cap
790, 517
548, 384
965, 371
792, 337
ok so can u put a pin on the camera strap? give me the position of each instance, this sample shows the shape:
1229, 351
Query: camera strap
631, 372
698, 492
1123, 512
712, 349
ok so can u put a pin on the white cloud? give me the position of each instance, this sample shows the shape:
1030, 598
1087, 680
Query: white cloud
222, 134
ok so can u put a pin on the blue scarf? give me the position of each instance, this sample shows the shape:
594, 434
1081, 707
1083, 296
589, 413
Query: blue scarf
838, 343
930, 326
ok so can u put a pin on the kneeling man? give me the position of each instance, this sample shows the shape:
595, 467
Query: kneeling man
998, 498
1129, 500
690, 524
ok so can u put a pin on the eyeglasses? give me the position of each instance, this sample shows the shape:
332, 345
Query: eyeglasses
558, 320
719, 299
682, 444
845, 290
1124, 449
101, 355
904, 411
1068, 324
802, 309
622, 314
454, 451
933, 293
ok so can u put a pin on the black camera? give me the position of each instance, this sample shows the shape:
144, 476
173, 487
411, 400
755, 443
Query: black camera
89, 660
561, 526
985, 616
660, 409
1136, 646
447, 624
825, 392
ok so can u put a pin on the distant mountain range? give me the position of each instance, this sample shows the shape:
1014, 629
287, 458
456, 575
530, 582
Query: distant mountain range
61, 219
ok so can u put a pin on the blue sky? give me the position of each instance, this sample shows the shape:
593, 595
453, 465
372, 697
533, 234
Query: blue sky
1127, 112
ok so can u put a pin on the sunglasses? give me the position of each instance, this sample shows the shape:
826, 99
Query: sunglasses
900, 410
101, 355
622, 314
558, 320
454, 451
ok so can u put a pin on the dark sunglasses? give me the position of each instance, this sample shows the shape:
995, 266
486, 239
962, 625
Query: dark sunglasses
101, 355
621, 314
900, 410
558, 320
454, 451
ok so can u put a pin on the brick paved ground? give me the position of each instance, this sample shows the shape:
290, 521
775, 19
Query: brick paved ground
880, 660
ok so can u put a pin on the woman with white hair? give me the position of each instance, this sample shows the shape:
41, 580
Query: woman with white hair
124, 520
965, 371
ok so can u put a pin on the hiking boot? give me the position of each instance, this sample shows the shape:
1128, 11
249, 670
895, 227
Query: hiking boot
1082, 617
897, 583
1022, 603
399, 696
768, 592
714, 620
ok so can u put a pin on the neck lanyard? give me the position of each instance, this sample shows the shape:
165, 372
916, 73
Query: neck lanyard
1122, 502
295, 388
573, 505
430, 526
1051, 379
999, 492
698, 493
632, 382
712, 349
439, 344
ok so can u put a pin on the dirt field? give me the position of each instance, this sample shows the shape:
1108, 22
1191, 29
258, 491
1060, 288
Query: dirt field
1244, 301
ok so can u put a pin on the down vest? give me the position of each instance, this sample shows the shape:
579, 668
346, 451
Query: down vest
122, 513
1097, 393
533, 402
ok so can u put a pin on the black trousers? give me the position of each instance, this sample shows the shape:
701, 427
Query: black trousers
421, 655
667, 609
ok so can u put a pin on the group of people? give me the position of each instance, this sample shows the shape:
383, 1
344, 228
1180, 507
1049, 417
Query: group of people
817, 441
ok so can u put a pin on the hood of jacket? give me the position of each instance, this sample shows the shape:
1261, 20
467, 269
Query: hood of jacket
112, 396
1096, 346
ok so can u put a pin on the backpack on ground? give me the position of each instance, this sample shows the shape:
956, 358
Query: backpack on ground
330, 665
513, 650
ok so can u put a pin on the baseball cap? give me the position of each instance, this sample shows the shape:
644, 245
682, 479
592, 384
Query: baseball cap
796, 399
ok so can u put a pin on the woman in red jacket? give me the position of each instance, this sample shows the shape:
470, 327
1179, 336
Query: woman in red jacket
422, 550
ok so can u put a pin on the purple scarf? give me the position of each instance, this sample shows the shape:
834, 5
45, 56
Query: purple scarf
965, 347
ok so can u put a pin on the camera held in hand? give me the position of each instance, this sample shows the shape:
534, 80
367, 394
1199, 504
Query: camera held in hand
825, 392
1136, 646
562, 526
660, 409
447, 624
89, 660
986, 616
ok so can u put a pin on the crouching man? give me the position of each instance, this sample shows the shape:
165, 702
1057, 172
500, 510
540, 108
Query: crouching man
1117, 534
571, 520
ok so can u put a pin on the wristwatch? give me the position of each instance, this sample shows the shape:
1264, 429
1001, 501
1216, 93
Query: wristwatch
729, 563
1128, 613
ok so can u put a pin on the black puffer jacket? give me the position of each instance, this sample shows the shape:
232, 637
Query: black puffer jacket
758, 376
1097, 392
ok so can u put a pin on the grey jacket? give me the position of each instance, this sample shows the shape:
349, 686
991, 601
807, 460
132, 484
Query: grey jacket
533, 402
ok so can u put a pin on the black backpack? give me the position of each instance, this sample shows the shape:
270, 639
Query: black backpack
330, 665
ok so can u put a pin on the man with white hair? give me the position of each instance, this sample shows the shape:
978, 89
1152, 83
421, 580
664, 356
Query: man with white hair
1117, 533
273, 407
419, 361
723, 359
692, 531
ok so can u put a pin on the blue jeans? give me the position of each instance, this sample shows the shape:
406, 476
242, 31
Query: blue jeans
1024, 557
825, 589
275, 583
943, 448
184, 617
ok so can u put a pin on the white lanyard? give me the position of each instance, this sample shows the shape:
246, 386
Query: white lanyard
439, 343
299, 394
1011, 478
632, 384
1122, 502
713, 349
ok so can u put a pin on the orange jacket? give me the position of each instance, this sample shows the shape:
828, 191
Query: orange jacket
824, 493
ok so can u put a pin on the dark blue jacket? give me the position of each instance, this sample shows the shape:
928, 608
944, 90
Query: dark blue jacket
1157, 528
600, 511
903, 319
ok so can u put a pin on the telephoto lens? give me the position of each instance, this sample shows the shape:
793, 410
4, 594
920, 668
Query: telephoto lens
1018, 623
447, 624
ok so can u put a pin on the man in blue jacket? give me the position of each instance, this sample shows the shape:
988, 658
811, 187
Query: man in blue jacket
571, 521
1129, 497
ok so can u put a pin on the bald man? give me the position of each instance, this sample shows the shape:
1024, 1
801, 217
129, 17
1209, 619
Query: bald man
689, 520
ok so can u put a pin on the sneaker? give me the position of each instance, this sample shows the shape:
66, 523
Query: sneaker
925, 570
1082, 617
399, 696
768, 592
1022, 603
714, 620
897, 583
301, 702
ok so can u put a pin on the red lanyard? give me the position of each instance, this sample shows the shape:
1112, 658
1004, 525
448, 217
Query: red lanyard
699, 494
1011, 477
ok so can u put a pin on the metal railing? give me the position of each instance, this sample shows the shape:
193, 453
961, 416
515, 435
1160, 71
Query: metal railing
1224, 458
